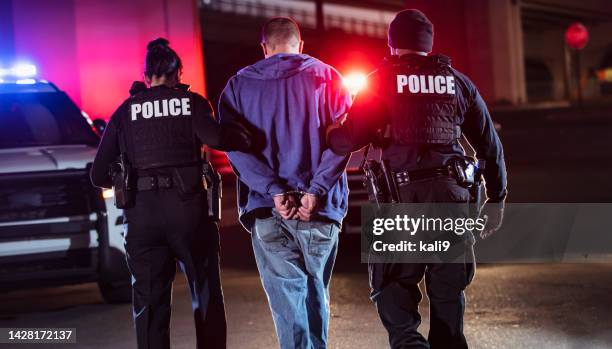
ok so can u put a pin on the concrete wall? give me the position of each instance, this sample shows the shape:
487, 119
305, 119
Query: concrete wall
487, 40
94, 49
548, 47
545, 43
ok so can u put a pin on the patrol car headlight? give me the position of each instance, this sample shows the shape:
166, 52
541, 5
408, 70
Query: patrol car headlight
108, 193
355, 81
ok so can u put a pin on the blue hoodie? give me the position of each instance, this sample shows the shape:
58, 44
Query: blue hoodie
288, 100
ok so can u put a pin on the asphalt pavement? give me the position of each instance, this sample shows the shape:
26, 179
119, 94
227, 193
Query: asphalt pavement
508, 306
560, 306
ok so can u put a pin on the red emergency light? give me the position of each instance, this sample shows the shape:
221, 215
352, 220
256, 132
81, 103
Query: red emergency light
576, 36
355, 81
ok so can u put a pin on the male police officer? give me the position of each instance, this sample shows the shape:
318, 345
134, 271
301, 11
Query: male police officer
158, 132
427, 105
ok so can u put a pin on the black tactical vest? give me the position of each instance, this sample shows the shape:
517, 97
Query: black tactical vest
157, 128
423, 109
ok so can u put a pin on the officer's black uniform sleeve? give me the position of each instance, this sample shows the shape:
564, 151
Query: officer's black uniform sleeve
367, 115
480, 132
227, 137
108, 151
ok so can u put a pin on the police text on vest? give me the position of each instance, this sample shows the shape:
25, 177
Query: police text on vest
163, 107
426, 84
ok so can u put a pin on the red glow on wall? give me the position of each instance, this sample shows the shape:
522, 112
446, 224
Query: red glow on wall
94, 49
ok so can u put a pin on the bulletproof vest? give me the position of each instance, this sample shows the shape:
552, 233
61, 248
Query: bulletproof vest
424, 100
158, 128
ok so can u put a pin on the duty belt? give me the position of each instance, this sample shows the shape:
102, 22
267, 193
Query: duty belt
154, 182
407, 177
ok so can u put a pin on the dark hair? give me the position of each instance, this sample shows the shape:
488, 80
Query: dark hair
161, 59
280, 30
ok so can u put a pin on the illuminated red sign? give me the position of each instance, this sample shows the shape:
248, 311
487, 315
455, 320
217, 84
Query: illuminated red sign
576, 36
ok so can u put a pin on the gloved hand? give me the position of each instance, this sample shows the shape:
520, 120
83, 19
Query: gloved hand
237, 136
308, 206
286, 205
337, 124
494, 214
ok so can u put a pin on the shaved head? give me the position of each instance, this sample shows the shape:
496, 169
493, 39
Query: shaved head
280, 31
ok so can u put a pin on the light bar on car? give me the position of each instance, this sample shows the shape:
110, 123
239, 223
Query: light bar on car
19, 71
25, 82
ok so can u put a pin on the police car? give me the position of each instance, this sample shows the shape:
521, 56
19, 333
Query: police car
55, 227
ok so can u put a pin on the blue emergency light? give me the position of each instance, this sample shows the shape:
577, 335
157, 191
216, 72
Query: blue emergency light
21, 78
21, 73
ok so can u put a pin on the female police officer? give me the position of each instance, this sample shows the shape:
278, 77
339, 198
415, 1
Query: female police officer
158, 132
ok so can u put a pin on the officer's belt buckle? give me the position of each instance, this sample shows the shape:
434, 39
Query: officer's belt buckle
402, 178
408, 177
154, 182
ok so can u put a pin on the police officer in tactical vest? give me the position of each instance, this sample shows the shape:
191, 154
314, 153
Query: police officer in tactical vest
417, 107
151, 155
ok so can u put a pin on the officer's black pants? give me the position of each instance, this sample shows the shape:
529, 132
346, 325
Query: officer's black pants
164, 228
395, 287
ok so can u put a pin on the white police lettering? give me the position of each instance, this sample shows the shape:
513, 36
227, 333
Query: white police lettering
426, 84
163, 107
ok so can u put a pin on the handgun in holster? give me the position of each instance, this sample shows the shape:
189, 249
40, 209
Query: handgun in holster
121, 173
379, 182
212, 184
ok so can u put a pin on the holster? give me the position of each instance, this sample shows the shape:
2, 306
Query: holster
212, 184
122, 175
464, 170
379, 183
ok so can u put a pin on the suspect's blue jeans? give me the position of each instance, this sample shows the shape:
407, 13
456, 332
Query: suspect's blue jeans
295, 261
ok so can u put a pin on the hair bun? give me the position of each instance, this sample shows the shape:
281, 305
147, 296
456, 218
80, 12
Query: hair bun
159, 42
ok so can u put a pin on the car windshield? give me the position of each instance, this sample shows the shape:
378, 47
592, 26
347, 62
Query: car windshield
42, 119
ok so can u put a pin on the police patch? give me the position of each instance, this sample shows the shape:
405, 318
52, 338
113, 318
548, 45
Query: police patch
426, 84
162, 107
